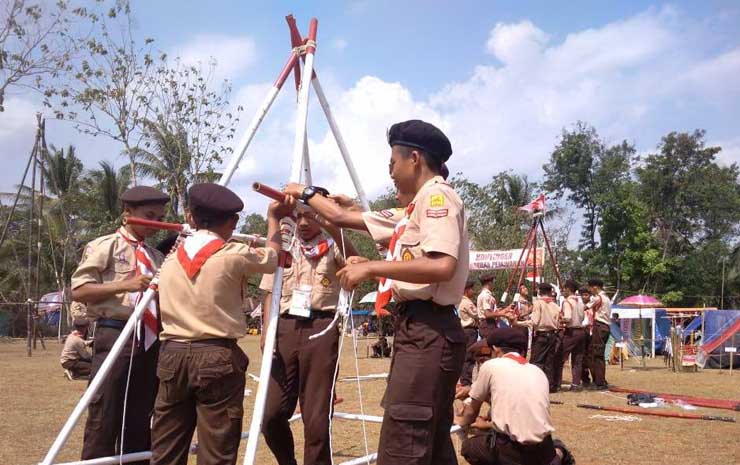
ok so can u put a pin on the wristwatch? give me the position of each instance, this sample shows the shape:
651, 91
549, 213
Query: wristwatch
310, 191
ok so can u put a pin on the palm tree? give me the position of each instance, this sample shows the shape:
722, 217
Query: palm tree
62, 171
108, 186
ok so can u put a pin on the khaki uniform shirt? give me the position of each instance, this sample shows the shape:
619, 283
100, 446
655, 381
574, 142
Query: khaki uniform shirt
486, 301
74, 349
545, 316
109, 259
519, 395
574, 312
320, 274
468, 313
437, 224
602, 308
210, 305
381, 224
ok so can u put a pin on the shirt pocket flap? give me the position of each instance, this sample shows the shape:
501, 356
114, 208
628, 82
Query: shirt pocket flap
410, 238
410, 412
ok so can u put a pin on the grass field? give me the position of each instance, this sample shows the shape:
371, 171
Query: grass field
36, 399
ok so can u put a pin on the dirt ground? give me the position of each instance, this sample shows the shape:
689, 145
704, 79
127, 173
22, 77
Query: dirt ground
36, 399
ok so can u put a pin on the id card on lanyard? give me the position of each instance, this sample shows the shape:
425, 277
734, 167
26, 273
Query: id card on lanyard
300, 303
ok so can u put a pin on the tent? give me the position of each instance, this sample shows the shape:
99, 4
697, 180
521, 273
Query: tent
721, 330
644, 328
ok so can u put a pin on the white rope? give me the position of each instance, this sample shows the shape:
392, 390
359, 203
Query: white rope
125, 394
625, 418
359, 385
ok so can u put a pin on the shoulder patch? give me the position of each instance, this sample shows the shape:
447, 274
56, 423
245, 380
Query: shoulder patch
386, 213
437, 212
437, 200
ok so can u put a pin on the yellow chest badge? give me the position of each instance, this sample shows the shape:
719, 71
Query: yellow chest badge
437, 200
325, 282
406, 255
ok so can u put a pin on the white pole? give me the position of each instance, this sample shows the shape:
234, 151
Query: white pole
256, 121
340, 141
306, 164
295, 174
100, 376
113, 460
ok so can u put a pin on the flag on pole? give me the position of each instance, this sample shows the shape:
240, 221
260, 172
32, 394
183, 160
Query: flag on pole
537, 205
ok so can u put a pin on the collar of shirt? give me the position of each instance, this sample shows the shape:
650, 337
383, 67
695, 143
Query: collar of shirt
205, 232
128, 236
431, 182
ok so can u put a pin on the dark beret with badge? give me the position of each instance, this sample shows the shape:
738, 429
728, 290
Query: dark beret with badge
508, 338
144, 195
421, 135
213, 200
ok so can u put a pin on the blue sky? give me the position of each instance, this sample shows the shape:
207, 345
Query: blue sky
502, 78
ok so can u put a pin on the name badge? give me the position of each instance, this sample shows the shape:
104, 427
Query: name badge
300, 304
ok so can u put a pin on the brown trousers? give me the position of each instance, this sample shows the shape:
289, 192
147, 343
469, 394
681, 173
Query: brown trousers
105, 413
471, 337
545, 354
302, 371
574, 345
201, 385
499, 449
599, 339
79, 368
428, 356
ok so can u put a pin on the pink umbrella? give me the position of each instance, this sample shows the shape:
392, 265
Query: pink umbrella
640, 301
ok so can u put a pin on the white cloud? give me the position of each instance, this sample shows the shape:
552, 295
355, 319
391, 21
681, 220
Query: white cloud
233, 54
339, 44
516, 43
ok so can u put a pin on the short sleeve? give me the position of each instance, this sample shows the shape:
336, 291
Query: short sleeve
94, 262
266, 282
259, 260
381, 224
441, 215
481, 388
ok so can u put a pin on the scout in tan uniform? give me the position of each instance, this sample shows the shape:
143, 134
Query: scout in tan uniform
110, 280
425, 273
201, 369
75, 358
520, 409
545, 322
601, 306
303, 368
486, 305
469, 322
574, 337
586, 373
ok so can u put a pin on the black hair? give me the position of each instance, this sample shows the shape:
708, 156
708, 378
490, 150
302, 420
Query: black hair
596, 282
545, 288
571, 285
584, 290
434, 164
206, 219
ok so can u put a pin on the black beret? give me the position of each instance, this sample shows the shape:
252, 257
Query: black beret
444, 171
421, 135
510, 338
469, 283
487, 277
214, 199
545, 288
479, 348
142, 195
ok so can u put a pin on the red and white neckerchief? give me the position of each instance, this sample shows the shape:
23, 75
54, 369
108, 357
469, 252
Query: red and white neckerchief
516, 357
318, 250
196, 249
394, 253
144, 266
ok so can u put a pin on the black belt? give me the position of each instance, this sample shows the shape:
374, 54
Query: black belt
110, 323
425, 305
185, 345
314, 315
